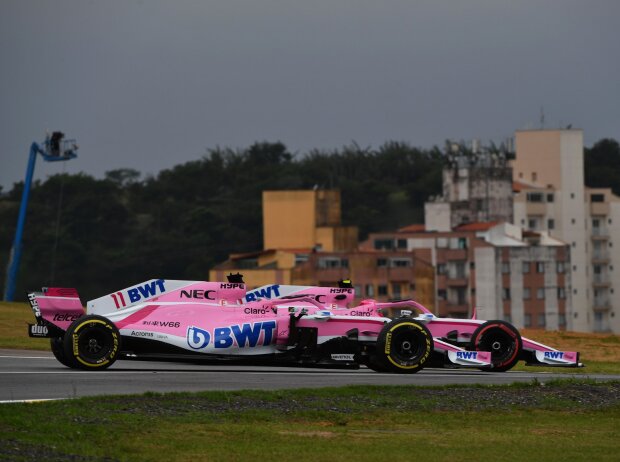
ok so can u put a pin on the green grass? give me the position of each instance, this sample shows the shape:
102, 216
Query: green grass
351, 423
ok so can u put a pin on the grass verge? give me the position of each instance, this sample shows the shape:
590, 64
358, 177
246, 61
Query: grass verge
509, 423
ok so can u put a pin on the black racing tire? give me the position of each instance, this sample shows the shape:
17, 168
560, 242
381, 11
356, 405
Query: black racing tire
91, 343
58, 349
375, 365
404, 346
502, 340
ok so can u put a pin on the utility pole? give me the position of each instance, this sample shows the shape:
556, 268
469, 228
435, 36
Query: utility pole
54, 149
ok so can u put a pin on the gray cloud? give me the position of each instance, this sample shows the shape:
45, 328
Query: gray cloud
151, 84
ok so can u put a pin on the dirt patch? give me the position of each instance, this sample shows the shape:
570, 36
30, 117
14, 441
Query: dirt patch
573, 397
18, 451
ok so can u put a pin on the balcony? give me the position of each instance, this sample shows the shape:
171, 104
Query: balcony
600, 233
600, 256
600, 280
601, 304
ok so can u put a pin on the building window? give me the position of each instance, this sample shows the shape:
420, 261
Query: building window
531, 223
382, 262
540, 293
550, 197
597, 198
527, 320
333, 262
402, 243
551, 223
596, 223
370, 290
526, 293
384, 244
572, 221
541, 320
572, 195
534, 176
382, 290
540, 267
396, 293
561, 293
442, 268
535, 197
505, 267
401, 262
507, 317
462, 243
506, 293
562, 319
525, 267
441, 294
559, 266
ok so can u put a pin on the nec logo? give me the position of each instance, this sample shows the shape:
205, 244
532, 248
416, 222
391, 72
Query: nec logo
554, 354
466, 354
202, 294
150, 289
265, 292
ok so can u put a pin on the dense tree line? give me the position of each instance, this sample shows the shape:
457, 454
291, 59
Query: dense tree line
102, 234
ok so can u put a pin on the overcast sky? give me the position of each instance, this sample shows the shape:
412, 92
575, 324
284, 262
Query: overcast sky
150, 84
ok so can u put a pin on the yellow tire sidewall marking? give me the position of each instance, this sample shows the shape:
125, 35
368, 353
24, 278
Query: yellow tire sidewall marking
388, 344
75, 337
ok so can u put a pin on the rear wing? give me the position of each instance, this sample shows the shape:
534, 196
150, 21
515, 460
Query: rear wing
54, 309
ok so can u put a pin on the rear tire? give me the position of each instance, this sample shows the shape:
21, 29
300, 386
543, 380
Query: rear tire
502, 340
58, 350
91, 343
404, 346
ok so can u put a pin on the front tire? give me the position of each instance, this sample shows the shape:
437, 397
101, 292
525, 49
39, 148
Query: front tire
404, 346
91, 343
502, 340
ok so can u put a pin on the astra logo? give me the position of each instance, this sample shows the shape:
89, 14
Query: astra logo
265, 292
245, 335
554, 354
150, 289
466, 354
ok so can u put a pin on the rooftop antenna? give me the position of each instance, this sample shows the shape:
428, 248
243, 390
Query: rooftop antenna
542, 118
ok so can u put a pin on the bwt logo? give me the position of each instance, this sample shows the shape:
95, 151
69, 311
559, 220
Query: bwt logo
466, 354
150, 289
554, 354
265, 292
224, 337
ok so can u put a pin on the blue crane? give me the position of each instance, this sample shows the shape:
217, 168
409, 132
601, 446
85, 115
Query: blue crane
55, 148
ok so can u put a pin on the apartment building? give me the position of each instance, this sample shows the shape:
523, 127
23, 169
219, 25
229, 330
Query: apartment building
550, 196
305, 244
492, 269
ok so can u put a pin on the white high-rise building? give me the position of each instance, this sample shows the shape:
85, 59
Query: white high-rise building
550, 196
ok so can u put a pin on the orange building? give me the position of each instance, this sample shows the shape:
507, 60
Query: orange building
306, 244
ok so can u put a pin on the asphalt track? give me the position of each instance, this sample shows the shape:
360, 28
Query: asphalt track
36, 375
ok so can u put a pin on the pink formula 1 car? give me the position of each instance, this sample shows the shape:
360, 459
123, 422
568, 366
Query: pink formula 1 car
221, 321
457, 342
